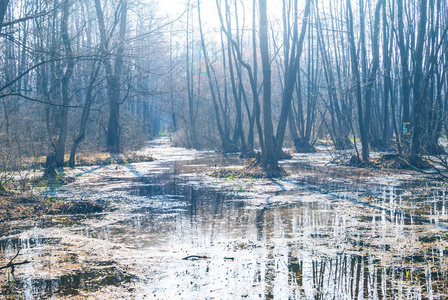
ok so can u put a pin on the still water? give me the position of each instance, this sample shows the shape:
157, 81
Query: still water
173, 232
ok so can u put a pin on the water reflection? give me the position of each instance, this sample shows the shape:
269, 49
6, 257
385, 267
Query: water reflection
71, 284
321, 235
281, 252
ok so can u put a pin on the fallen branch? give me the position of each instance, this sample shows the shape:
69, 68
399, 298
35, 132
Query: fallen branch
12, 265
195, 257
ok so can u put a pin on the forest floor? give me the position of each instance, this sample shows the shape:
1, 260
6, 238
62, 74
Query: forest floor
169, 230
22, 197
19, 206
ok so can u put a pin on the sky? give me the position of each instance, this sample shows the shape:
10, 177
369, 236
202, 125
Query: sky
171, 7
208, 8
209, 14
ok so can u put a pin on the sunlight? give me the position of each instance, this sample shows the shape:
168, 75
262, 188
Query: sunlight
224, 149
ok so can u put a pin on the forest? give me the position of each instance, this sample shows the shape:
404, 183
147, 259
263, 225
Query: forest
311, 114
93, 76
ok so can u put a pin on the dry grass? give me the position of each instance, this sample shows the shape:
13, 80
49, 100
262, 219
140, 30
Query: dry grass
21, 206
105, 158
90, 159
252, 170
17, 203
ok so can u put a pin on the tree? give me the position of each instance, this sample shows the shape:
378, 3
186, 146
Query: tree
223, 133
113, 75
292, 63
81, 134
65, 86
419, 100
190, 84
364, 113
3, 7
269, 160
252, 73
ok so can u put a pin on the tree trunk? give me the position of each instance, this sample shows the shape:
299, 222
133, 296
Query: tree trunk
357, 79
405, 77
113, 130
365, 138
80, 136
387, 80
253, 77
113, 77
290, 77
239, 133
50, 86
364, 117
269, 160
3, 7
419, 100
60, 148
210, 82
189, 67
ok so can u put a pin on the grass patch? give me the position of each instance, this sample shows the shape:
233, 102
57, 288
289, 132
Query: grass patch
105, 158
251, 170
17, 206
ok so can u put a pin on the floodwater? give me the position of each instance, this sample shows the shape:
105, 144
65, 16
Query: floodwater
173, 232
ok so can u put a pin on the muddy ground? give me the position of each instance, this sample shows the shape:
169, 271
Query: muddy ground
171, 231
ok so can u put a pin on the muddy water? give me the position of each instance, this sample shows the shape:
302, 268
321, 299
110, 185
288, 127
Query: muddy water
324, 232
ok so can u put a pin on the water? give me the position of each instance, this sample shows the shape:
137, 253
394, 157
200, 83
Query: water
325, 232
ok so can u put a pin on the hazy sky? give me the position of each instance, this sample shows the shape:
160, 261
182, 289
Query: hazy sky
171, 6
208, 8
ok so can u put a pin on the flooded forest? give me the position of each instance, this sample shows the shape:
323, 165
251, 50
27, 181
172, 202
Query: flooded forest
223, 149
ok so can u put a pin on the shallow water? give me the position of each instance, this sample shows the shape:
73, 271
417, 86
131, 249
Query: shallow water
324, 232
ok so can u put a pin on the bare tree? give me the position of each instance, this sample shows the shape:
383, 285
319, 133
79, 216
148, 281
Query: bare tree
113, 75
3, 7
